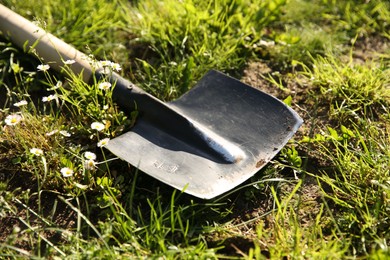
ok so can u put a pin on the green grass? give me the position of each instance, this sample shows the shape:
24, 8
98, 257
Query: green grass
354, 91
188, 38
325, 195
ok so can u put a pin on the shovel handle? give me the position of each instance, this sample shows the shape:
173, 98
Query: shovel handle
51, 49
54, 51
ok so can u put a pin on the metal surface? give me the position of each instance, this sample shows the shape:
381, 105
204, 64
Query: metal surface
210, 140
213, 138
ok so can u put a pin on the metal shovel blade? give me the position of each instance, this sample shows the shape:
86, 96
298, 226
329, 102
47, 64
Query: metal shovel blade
220, 134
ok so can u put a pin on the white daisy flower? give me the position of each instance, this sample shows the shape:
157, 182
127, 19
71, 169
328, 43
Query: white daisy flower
97, 126
90, 165
66, 172
90, 155
104, 85
49, 98
13, 119
103, 142
43, 67
21, 103
105, 63
36, 151
115, 66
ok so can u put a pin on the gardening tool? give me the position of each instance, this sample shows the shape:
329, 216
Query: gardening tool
210, 140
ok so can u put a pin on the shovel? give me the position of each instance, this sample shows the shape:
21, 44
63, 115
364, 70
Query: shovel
210, 140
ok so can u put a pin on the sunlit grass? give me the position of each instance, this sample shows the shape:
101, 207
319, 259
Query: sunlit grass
358, 183
326, 195
353, 90
191, 37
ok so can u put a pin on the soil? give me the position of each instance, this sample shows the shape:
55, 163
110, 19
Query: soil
56, 213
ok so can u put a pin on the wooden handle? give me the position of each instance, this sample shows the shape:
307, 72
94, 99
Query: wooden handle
51, 49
